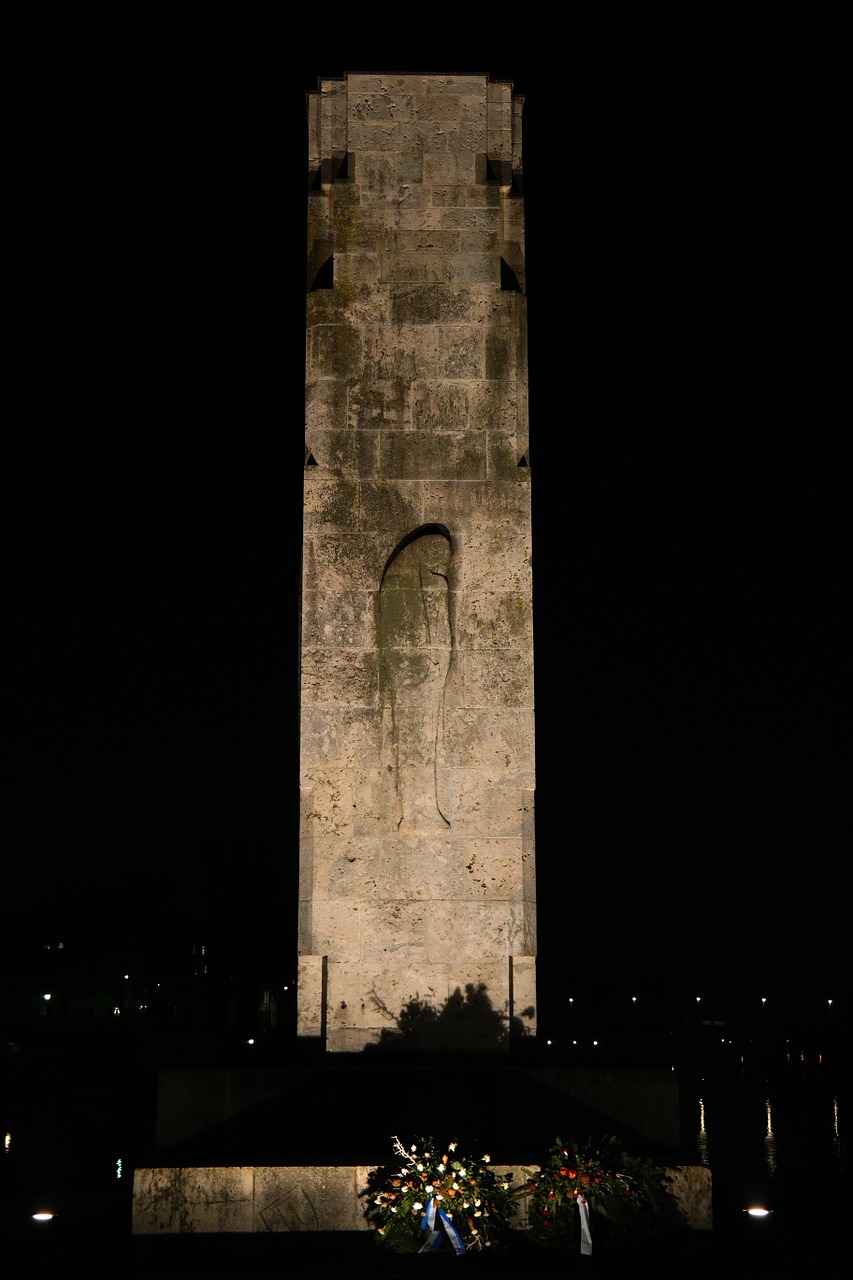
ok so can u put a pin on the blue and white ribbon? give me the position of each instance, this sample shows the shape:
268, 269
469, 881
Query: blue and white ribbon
435, 1222
586, 1234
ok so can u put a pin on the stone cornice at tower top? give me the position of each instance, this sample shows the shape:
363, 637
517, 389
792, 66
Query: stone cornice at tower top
410, 113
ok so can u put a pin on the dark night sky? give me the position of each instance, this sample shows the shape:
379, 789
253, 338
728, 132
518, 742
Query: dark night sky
682, 233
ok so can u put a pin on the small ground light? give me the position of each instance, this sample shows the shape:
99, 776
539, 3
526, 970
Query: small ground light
43, 1215
758, 1211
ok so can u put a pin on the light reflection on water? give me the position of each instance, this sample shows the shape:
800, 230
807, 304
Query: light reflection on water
770, 1142
758, 1131
702, 1140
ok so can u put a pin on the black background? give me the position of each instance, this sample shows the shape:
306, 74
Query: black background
683, 246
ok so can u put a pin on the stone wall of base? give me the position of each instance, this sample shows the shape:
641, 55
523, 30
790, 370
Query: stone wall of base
314, 1198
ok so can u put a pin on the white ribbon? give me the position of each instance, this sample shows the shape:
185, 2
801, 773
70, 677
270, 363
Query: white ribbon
433, 1240
586, 1236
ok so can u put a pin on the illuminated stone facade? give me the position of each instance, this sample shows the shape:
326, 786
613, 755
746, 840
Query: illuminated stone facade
417, 912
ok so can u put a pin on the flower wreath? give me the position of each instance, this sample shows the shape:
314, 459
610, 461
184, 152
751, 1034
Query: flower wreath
604, 1178
437, 1193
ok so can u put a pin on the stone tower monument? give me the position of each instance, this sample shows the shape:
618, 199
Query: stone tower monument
417, 870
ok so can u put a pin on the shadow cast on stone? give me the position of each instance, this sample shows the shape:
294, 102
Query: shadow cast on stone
467, 1023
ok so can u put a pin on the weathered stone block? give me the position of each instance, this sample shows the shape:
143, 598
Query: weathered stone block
485, 802
345, 677
443, 109
501, 361
346, 868
478, 504
493, 561
343, 562
430, 304
334, 350
326, 404
690, 1189
346, 454
414, 214
394, 933
377, 167
505, 457
378, 1003
343, 620
178, 1201
480, 931
483, 244
406, 352
341, 799
440, 406
358, 276
317, 1198
462, 352
450, 195
327, 803
467, 268
336, 928
413, 866
418, 455
495, 620
487, 737
448, 168
310, 1005
326, 307
420, 137
390, 508
330, 503
483, 869
420, 266
444, 241
379, 403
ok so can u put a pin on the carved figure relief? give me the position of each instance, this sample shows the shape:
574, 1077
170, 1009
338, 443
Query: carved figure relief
415, 639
